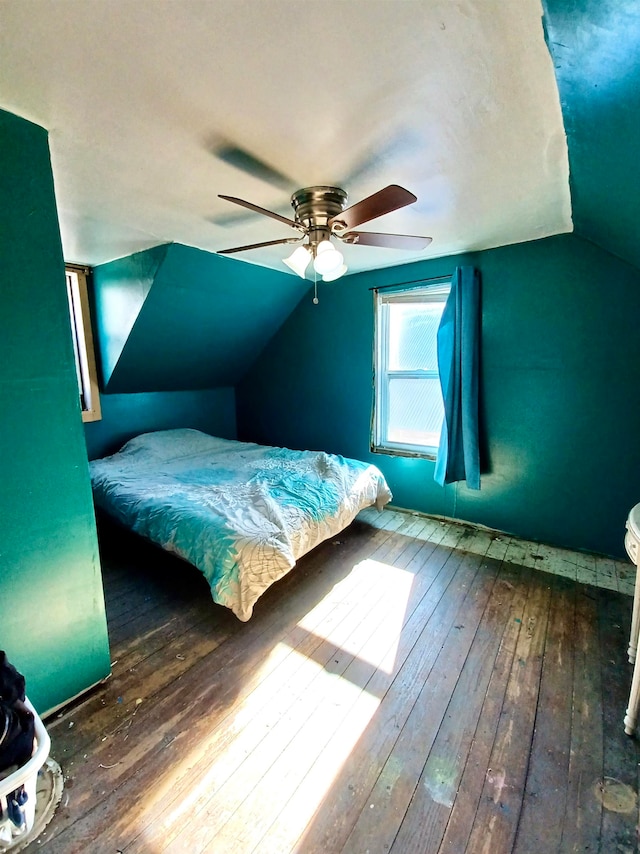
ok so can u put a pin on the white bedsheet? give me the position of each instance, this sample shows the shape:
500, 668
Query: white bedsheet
242, 513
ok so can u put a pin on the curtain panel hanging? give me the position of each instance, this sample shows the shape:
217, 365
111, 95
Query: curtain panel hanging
458, 347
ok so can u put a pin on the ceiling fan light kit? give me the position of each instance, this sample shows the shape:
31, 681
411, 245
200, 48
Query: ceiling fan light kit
327, 259
320, 214
335, 274
298, 261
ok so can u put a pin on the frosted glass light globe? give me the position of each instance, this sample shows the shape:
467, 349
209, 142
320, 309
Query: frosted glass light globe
327, 258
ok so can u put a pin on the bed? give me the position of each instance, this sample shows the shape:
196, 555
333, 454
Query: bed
242, 513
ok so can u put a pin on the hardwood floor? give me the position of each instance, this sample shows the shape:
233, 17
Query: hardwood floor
393, 693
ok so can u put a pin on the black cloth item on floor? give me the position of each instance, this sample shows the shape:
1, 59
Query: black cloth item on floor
17, 733
17, 728
12, 683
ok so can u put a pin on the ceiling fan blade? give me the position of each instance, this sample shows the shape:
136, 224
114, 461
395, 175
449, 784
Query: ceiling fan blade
247, 162
386, 241
264, 211
233, 218
384, 201
260, 245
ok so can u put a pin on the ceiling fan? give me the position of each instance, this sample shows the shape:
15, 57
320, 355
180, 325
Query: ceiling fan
320, 213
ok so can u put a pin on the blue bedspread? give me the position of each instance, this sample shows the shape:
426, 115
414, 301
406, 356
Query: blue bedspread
242, 513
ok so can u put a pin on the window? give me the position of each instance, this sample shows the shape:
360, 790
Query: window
83, 342
408, 407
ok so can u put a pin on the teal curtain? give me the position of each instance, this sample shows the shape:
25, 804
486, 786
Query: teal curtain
458, 365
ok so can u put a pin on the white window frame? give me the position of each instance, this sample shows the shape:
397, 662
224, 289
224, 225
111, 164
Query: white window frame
81, 333
437, 291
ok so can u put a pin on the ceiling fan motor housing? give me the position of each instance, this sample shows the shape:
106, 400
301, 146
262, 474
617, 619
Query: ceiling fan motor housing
315, 206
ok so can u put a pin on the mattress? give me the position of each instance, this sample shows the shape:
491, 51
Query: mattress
241, 513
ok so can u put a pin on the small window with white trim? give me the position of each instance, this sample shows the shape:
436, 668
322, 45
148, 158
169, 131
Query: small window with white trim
86, 373
408, 407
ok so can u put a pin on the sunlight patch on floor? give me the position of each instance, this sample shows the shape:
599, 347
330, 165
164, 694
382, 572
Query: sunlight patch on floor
289, 739
387, 631
230, 742
264, 752
319, 780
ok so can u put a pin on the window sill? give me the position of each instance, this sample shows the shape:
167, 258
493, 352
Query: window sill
404, 452
89, 415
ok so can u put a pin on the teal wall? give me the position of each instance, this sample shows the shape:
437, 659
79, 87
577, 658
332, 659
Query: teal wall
52, 620
178, 318
595, 46
125, 415
559, 380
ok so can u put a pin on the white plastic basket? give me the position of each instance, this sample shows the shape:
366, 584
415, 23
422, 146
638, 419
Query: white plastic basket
27, 776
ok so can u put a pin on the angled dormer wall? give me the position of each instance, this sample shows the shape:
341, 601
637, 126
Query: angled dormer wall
120, 290
177, 328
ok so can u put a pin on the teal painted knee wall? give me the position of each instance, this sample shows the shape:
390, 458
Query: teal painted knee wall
52, 619
126, 415
559, 381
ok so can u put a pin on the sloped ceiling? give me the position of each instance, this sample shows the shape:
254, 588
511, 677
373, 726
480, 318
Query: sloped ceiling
177, 318
454, 99
595, 46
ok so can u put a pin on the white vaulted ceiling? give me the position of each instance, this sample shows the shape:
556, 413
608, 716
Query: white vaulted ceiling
457, 101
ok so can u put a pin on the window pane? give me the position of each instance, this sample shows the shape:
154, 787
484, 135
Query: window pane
74, 335
412, 336
83, 343
415, 411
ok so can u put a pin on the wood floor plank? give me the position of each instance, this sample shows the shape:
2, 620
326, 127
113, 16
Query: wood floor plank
499, 808
166, 661
422, 825
160, 600
395, 787
619, 830
316, 723
470, 789
349, 793
321, 778
543, 809
499, 547
581, 826
163, 645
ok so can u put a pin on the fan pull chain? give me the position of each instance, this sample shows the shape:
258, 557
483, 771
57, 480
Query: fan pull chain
315, 288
